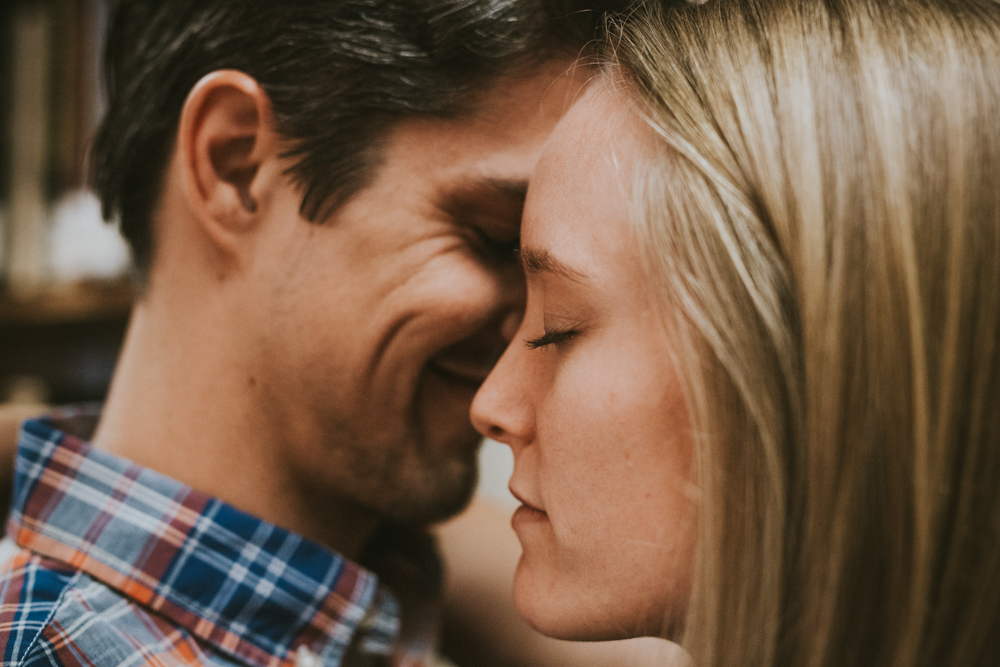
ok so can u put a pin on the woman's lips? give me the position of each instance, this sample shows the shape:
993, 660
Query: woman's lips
526, 513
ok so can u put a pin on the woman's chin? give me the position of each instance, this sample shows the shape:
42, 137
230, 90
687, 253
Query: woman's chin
550, 607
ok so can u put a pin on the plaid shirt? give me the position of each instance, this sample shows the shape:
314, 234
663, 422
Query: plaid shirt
109, 563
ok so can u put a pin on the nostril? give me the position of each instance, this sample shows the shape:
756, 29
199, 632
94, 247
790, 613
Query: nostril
495, 433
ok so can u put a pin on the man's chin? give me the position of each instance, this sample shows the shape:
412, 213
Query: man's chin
433, 494
439, 480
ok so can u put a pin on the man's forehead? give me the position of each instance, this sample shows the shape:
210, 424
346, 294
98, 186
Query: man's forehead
547, 91
511, 118
475, 168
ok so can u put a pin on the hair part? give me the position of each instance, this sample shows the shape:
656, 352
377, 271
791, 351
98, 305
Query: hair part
824, 221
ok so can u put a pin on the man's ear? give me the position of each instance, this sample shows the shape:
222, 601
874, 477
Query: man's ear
224, 137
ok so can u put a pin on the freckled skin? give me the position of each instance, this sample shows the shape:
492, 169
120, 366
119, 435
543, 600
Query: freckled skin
597, 423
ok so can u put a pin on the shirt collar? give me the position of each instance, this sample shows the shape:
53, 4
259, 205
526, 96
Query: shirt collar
253, 590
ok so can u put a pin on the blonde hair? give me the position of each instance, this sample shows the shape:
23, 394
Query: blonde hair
824, 219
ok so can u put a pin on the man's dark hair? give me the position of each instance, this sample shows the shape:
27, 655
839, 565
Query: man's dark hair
339, 73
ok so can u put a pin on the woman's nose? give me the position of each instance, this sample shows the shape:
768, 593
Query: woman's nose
502, 409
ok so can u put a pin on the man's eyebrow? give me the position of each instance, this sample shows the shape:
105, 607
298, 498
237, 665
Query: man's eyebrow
539, 260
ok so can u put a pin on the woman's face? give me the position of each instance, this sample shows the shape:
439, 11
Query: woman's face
588, 399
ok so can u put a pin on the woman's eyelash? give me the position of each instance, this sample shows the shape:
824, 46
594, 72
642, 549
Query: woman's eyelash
553, 338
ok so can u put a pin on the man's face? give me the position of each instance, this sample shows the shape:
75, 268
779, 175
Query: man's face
378, 326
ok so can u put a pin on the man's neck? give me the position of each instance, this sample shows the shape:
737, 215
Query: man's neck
178, 405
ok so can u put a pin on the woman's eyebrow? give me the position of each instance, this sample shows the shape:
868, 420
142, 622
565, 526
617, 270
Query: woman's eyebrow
540, 260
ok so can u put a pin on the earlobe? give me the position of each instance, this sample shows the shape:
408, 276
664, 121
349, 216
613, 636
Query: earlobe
224, 137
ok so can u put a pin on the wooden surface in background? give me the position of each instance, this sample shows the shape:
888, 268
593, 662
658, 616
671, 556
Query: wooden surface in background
77, 302
67, 338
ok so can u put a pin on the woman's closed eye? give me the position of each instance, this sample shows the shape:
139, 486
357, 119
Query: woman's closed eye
550, 338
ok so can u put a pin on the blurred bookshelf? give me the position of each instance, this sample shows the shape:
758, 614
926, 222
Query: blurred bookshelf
65, 294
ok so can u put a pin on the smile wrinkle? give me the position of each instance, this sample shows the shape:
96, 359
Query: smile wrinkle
383, 343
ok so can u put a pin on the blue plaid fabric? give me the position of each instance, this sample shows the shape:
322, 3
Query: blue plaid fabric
109, 563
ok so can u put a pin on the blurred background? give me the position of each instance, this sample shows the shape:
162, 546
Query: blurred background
64, 286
